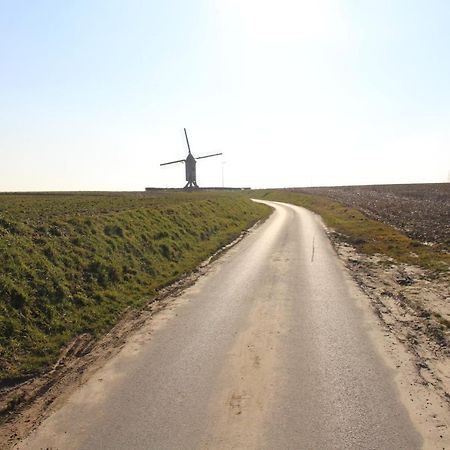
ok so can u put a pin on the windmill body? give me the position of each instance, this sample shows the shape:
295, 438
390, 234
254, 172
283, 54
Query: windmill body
191, 172
191, 163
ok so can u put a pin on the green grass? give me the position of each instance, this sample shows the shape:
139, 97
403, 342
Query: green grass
366, 235
72, 263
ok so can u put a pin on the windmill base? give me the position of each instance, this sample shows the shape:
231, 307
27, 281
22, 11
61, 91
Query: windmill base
191, 185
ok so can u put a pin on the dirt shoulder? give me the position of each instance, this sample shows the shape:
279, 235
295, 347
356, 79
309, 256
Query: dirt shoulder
413, 308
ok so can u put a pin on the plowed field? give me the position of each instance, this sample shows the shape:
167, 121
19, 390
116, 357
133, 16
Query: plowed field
422, 211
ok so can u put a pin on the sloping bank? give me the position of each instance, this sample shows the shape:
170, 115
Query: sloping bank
73, 264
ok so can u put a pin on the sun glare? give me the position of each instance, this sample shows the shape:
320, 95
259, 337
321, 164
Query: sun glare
286, 21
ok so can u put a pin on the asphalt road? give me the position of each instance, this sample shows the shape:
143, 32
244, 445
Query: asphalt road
269, 350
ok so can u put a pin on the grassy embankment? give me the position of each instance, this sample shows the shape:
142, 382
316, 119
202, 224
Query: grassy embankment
366, 235
72, 263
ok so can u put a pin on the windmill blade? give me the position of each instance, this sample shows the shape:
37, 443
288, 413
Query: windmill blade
187, 141
209, 156
173, 162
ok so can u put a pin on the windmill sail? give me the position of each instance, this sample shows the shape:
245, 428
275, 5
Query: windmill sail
187, 141
208, 156
173, 162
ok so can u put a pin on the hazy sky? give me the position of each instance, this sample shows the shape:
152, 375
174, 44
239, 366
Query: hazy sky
95, 94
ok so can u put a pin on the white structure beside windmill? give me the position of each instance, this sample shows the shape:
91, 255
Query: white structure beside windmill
191, 163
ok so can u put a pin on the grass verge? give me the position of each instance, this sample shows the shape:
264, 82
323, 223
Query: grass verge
72, 263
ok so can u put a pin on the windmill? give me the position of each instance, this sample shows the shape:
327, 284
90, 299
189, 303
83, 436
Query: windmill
190, 161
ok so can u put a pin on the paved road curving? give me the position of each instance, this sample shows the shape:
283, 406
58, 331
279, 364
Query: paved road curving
269, 350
